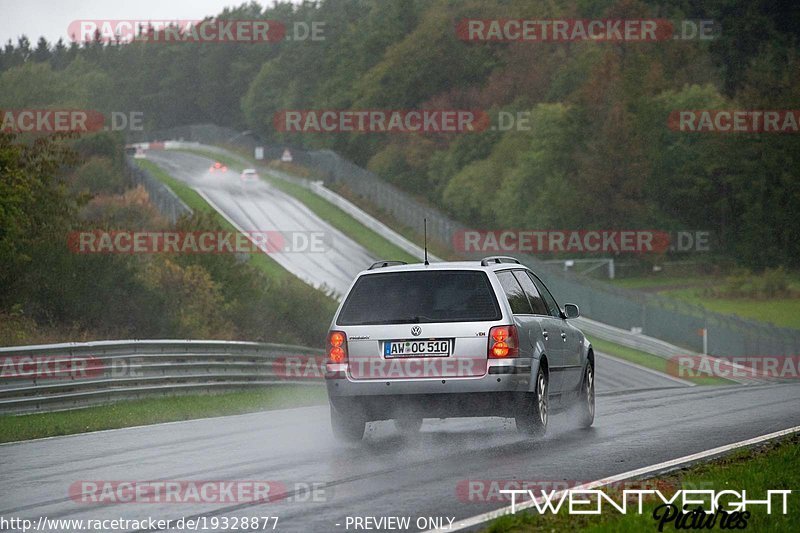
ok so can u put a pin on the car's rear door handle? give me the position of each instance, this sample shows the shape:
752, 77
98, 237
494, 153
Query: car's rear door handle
545, 335
563, 336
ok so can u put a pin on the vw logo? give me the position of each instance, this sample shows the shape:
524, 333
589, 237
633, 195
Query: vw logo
416, 331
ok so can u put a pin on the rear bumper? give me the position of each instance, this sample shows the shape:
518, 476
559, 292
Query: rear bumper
496, 393
503, 403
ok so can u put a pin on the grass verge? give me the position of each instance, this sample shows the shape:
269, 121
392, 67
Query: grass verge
780, 311
189, 196
783, 312
328, 212
414, 235
769, 467
647, 360
657, 283
340, 220
156, 410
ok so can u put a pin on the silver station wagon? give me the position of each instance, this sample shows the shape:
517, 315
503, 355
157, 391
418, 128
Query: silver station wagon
455, 339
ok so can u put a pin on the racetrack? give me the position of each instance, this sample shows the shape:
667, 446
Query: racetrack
643, 418
256, 206
386, 475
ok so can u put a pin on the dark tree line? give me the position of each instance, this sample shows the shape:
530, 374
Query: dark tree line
598, 152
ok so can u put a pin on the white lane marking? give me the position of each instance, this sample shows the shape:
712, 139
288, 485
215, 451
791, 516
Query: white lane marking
663, 375
491, 515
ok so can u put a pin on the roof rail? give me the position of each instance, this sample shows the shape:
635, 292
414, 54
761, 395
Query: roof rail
498, 259
383, 264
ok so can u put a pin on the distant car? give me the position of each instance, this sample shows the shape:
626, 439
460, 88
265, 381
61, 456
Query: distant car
218, 167
249, 174
455, 339
139, 154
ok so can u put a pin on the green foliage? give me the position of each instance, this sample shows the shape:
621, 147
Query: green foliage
48, 292
98, 175
742, 283
598, 153
34, 206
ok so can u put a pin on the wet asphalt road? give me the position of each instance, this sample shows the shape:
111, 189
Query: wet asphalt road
387, 475
257, 206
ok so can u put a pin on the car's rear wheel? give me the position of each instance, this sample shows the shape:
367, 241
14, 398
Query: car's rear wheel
532, 420
408, 425
586, 398
347, 427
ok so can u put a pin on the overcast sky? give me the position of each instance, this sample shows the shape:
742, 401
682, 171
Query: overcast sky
50, 18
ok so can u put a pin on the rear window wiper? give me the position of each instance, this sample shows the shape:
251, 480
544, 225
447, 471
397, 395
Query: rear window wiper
411, 320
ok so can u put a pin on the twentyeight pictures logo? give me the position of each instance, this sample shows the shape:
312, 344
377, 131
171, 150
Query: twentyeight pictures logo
684, 509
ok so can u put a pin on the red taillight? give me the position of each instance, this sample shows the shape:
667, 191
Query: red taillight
337, 338
337, 347
503, 342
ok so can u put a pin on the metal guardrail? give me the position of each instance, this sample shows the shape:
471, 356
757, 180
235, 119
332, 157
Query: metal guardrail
631, 340
73, 375
166, 201
53, 377
659, 348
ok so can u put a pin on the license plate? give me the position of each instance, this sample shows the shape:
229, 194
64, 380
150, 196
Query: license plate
417, 348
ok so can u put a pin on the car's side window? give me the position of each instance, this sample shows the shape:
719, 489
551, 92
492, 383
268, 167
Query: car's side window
552, 306
516, 296
537, 303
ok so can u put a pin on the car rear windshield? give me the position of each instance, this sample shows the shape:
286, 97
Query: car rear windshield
420, 297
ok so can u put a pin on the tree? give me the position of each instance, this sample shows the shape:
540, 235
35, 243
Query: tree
42, 51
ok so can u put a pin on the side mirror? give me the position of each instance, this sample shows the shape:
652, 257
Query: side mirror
571, 311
